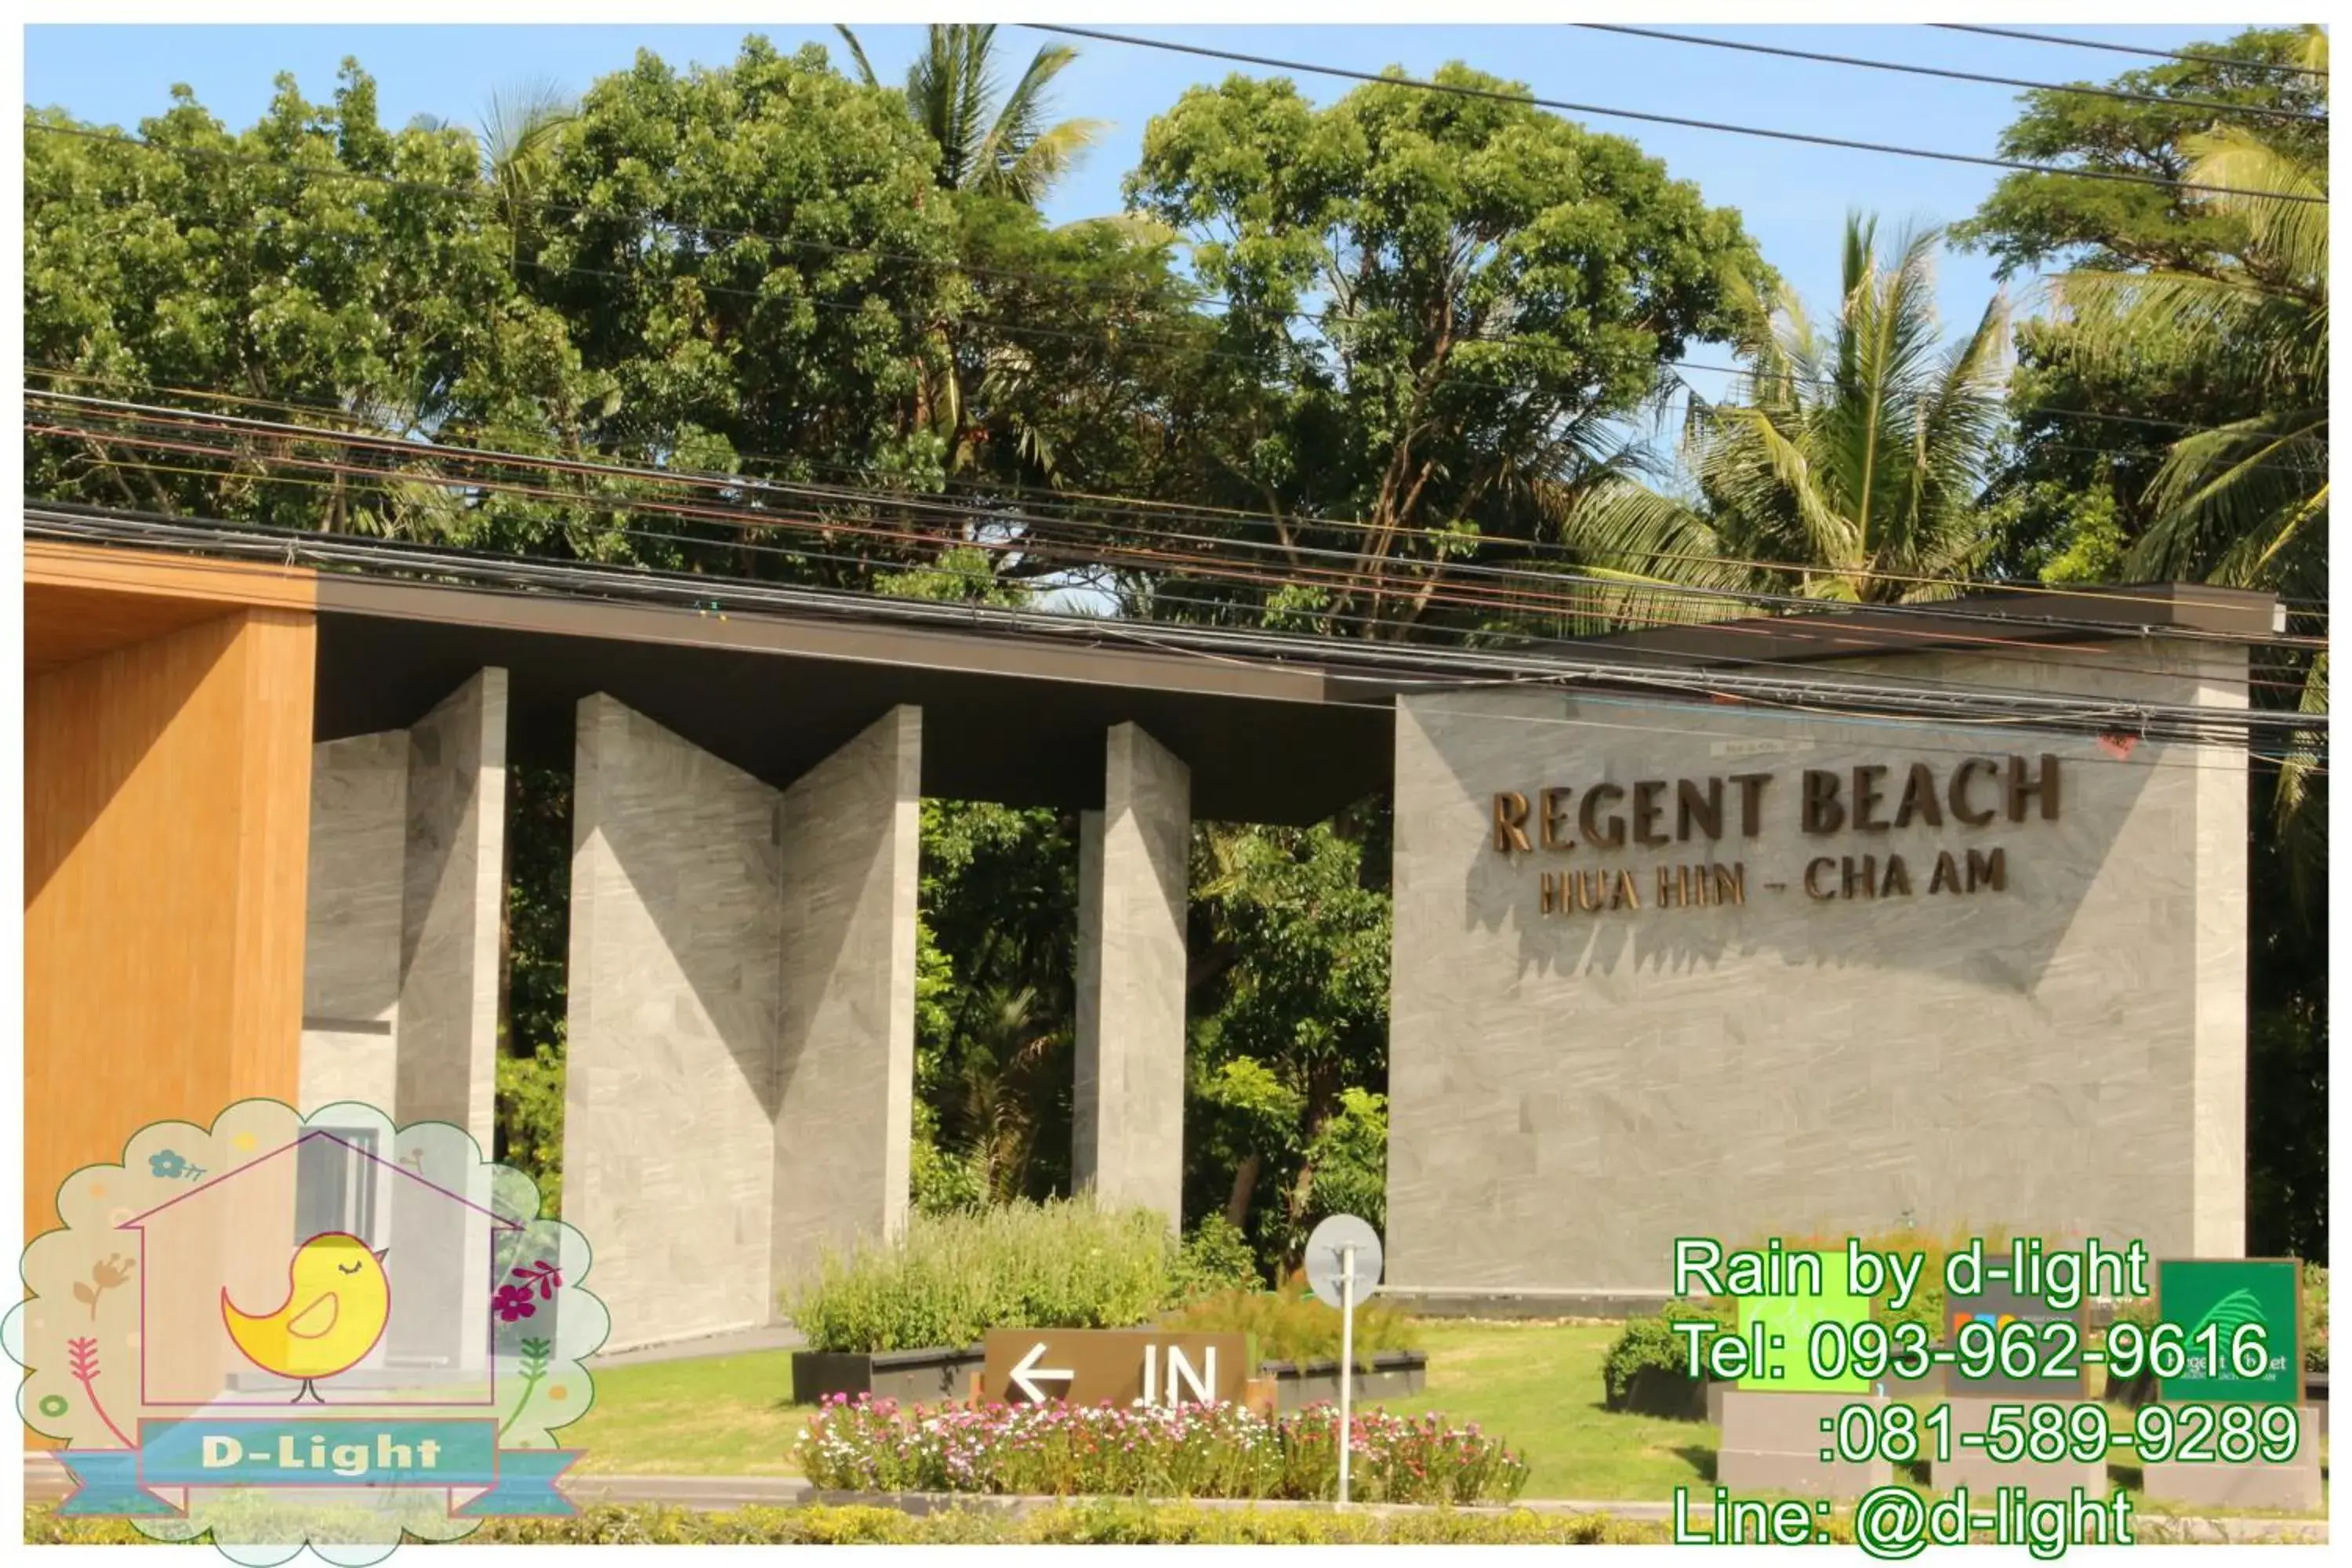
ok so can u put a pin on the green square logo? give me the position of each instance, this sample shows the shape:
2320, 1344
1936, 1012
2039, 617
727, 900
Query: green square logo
2240, 1322
1789, 1321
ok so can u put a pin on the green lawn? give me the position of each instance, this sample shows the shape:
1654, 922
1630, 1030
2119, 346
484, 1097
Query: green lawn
723, 1416
1537, 1387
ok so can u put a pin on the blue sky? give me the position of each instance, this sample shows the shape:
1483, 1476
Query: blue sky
1793, 197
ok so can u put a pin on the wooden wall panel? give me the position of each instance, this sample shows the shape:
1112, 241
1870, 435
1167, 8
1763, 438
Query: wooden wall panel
166, 830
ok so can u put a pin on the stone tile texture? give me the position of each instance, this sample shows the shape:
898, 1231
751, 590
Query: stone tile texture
1128, 1108
1572, 1092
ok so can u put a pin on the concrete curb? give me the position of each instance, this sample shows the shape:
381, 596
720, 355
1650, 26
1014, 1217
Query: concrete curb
46, 1481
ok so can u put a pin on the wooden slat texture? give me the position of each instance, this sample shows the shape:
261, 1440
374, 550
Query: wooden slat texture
82, 600
166, 832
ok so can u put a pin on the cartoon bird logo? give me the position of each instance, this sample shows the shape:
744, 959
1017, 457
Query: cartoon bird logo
337, 1299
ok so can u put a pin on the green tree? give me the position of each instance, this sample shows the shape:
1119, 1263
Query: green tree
1289, 943
991, 141
334, 271
1857, 455
2067, 446
757, 257
1438, 313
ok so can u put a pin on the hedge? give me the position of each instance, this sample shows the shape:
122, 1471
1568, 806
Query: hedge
1093, 1523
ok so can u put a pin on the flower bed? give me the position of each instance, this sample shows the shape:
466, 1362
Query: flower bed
1190, 1450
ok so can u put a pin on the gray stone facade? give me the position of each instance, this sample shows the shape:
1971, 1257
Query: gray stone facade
1128, 1105
845, 1038
741, 1017
406, 883
1759, 1030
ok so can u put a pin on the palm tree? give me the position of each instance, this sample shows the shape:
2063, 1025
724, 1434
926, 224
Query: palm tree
990, 142
1857, 457
2243, 504
518, 140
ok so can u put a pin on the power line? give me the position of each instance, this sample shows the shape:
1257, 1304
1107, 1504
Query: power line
2128, 50
2192, 723
1458, 90
1195, 296
1525, 588
2078, 88
1537, 592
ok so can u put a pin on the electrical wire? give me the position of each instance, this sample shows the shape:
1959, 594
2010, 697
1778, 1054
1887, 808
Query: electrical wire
2128, 50
1849, 643
2191, 724
1725, 127
1158, 512
413, 450
1163, 595
2077, 89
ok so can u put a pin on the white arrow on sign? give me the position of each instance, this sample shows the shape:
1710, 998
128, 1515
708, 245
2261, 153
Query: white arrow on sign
1027, 1372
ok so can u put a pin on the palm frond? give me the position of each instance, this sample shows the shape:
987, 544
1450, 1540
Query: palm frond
858, 53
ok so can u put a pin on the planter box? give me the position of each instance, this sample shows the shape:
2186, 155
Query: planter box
929, 1374
1667, 1395
1390, 1374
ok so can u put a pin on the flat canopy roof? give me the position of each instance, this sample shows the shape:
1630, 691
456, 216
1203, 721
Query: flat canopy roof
1015, 704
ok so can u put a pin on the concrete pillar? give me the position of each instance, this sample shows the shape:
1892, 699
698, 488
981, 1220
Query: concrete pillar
401, 961
845, 1040
454, 888
351, 955
669, 1139
1129, 1107
740, 1073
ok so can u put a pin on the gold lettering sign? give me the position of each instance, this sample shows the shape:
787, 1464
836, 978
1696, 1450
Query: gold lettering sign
1601, 823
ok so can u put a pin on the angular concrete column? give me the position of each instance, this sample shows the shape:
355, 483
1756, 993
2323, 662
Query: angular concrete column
669, 1044
406, 876
452, 910
351, 955
1128, 1108
740, 1052
846, 1041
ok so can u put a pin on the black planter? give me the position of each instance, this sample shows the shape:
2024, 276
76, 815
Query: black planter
1390, 1374
1665, 1394
2131, 1392
926, 1375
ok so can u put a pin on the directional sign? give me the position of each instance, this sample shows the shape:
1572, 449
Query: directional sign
1118, 1367
1324, 1249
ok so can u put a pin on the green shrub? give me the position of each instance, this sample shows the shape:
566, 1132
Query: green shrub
2315, 1317
1650, 1344
953, 1277
1217, 1257
1290, 1325
1093, 1522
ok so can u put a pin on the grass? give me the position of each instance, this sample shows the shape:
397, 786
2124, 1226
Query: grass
1537, 1387
722, 1415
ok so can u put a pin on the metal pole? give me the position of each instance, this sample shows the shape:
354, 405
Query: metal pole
1347, 1359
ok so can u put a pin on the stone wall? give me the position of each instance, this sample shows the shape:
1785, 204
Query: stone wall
2044, 1032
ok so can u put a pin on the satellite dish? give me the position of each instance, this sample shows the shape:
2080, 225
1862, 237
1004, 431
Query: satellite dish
1324, 1250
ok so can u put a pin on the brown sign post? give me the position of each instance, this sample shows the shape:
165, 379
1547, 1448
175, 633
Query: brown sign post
1118, 1366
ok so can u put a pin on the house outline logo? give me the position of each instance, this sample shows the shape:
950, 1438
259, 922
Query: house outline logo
344, 1332
213, 1191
